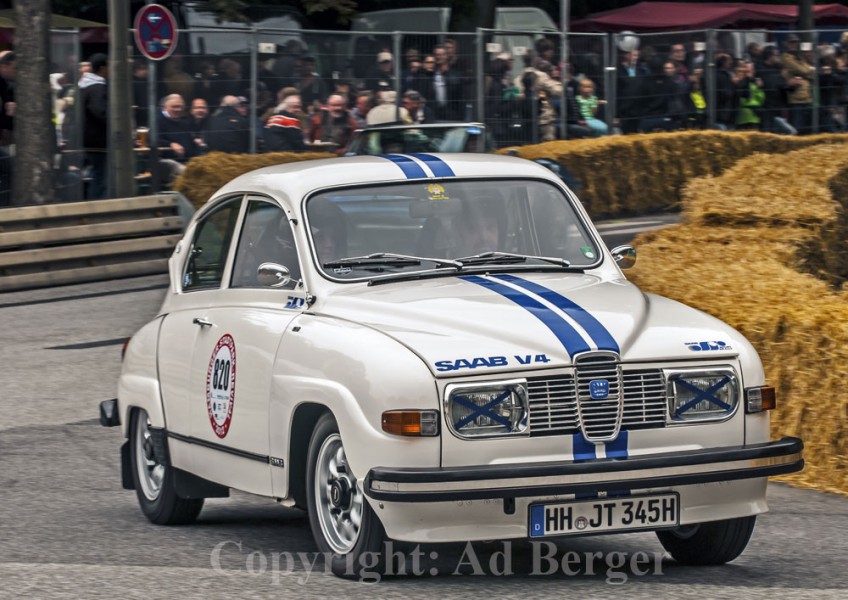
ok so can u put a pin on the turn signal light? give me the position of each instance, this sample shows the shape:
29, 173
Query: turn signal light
759, 399
416, 423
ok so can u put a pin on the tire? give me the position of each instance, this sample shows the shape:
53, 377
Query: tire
343, 523
713, 543
154, 482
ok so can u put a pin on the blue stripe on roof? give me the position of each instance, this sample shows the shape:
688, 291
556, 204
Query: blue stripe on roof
602, 337
564, 332
439, 167
410, 168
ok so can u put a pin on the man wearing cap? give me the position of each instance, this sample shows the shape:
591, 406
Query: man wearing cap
800, 74
382, 76
95, 110
229, 128
386, 110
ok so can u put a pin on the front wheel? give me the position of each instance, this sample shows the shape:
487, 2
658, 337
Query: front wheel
154, 481
343, 523
713, 543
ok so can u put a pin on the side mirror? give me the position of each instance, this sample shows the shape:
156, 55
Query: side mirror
273, 275
625, 256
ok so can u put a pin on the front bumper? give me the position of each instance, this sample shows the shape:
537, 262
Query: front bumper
574, 477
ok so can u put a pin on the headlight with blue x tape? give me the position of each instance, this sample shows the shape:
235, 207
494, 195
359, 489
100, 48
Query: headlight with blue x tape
697, 395
490, 409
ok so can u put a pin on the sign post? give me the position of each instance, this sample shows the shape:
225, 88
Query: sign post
155, 33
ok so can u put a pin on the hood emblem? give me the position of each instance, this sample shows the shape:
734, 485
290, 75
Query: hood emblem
599, 389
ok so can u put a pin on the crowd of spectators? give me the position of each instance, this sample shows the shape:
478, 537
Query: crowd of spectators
770, 88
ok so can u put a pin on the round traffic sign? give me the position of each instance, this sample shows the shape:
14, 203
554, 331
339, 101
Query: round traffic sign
156, 32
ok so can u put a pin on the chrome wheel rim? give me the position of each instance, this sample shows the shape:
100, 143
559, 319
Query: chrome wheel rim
150, 472
339, 500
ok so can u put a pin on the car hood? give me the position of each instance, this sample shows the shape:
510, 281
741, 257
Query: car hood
472, 324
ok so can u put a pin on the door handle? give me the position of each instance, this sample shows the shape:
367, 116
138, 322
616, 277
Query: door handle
202, 322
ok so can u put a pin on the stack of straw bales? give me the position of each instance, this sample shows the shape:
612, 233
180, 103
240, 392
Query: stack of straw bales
744, 253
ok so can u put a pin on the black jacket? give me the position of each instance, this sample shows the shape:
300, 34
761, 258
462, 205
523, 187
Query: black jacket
94, 95
228, 131
179, 131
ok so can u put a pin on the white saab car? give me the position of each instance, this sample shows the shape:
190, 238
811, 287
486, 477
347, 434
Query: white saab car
439, 348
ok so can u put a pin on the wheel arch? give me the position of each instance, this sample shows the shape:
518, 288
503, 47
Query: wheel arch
303, 422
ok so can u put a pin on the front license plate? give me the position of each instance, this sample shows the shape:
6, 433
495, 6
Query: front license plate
604, 514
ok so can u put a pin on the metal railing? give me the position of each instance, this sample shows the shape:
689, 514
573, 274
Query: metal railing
486, 81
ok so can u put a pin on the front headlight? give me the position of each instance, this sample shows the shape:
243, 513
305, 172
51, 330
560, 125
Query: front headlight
490, 409
695, 395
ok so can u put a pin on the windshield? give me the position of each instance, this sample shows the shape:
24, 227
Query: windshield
365, 232
463, 138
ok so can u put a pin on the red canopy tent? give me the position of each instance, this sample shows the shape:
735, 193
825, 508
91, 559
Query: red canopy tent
680, 16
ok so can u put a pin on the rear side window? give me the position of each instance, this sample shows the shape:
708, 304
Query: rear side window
209, 248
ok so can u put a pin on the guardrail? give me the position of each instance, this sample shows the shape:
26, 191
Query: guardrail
76, 242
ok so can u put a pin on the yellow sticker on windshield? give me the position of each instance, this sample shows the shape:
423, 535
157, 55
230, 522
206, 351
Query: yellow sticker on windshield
436, 192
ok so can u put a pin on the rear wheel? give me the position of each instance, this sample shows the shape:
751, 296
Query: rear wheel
154, 481
343, 523
713, 543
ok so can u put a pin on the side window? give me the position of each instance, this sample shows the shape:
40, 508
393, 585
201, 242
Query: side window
266, 236
208, 252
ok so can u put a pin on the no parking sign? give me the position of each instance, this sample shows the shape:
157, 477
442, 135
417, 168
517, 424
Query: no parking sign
155, 32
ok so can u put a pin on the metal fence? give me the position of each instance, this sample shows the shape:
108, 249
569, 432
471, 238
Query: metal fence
526, 87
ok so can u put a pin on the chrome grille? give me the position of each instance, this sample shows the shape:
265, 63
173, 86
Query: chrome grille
600, 418
553, 402
553, 405
644, 399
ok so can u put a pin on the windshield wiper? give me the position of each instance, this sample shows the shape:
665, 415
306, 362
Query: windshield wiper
508, 258
389, 259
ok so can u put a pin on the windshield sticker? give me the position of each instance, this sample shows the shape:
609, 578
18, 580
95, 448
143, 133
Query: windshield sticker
473, 130
588, 252
221, 385
436, 192
490, 361
342, 270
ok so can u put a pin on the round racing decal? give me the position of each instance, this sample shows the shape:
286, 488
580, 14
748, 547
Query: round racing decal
221, 385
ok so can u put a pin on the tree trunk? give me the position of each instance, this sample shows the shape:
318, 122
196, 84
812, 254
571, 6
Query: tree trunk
35, 132
122, 182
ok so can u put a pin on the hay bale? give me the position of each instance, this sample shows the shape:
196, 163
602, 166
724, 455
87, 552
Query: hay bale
738, 256
647, 172
206, 174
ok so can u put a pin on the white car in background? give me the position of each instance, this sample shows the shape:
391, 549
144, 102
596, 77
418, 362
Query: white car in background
439, 348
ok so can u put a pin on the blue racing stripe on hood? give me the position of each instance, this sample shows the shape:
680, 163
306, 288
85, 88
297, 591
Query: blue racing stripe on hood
603, 339
564, 332
439, 167
410, 168
582, 449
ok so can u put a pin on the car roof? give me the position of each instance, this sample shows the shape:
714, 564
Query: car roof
440, 125
295, 180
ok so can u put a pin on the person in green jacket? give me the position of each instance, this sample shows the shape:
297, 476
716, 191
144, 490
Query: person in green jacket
751, 96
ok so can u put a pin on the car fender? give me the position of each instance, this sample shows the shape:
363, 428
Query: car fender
138, 386
357, 373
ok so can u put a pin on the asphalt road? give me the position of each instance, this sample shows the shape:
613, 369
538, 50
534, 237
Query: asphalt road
68, 530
